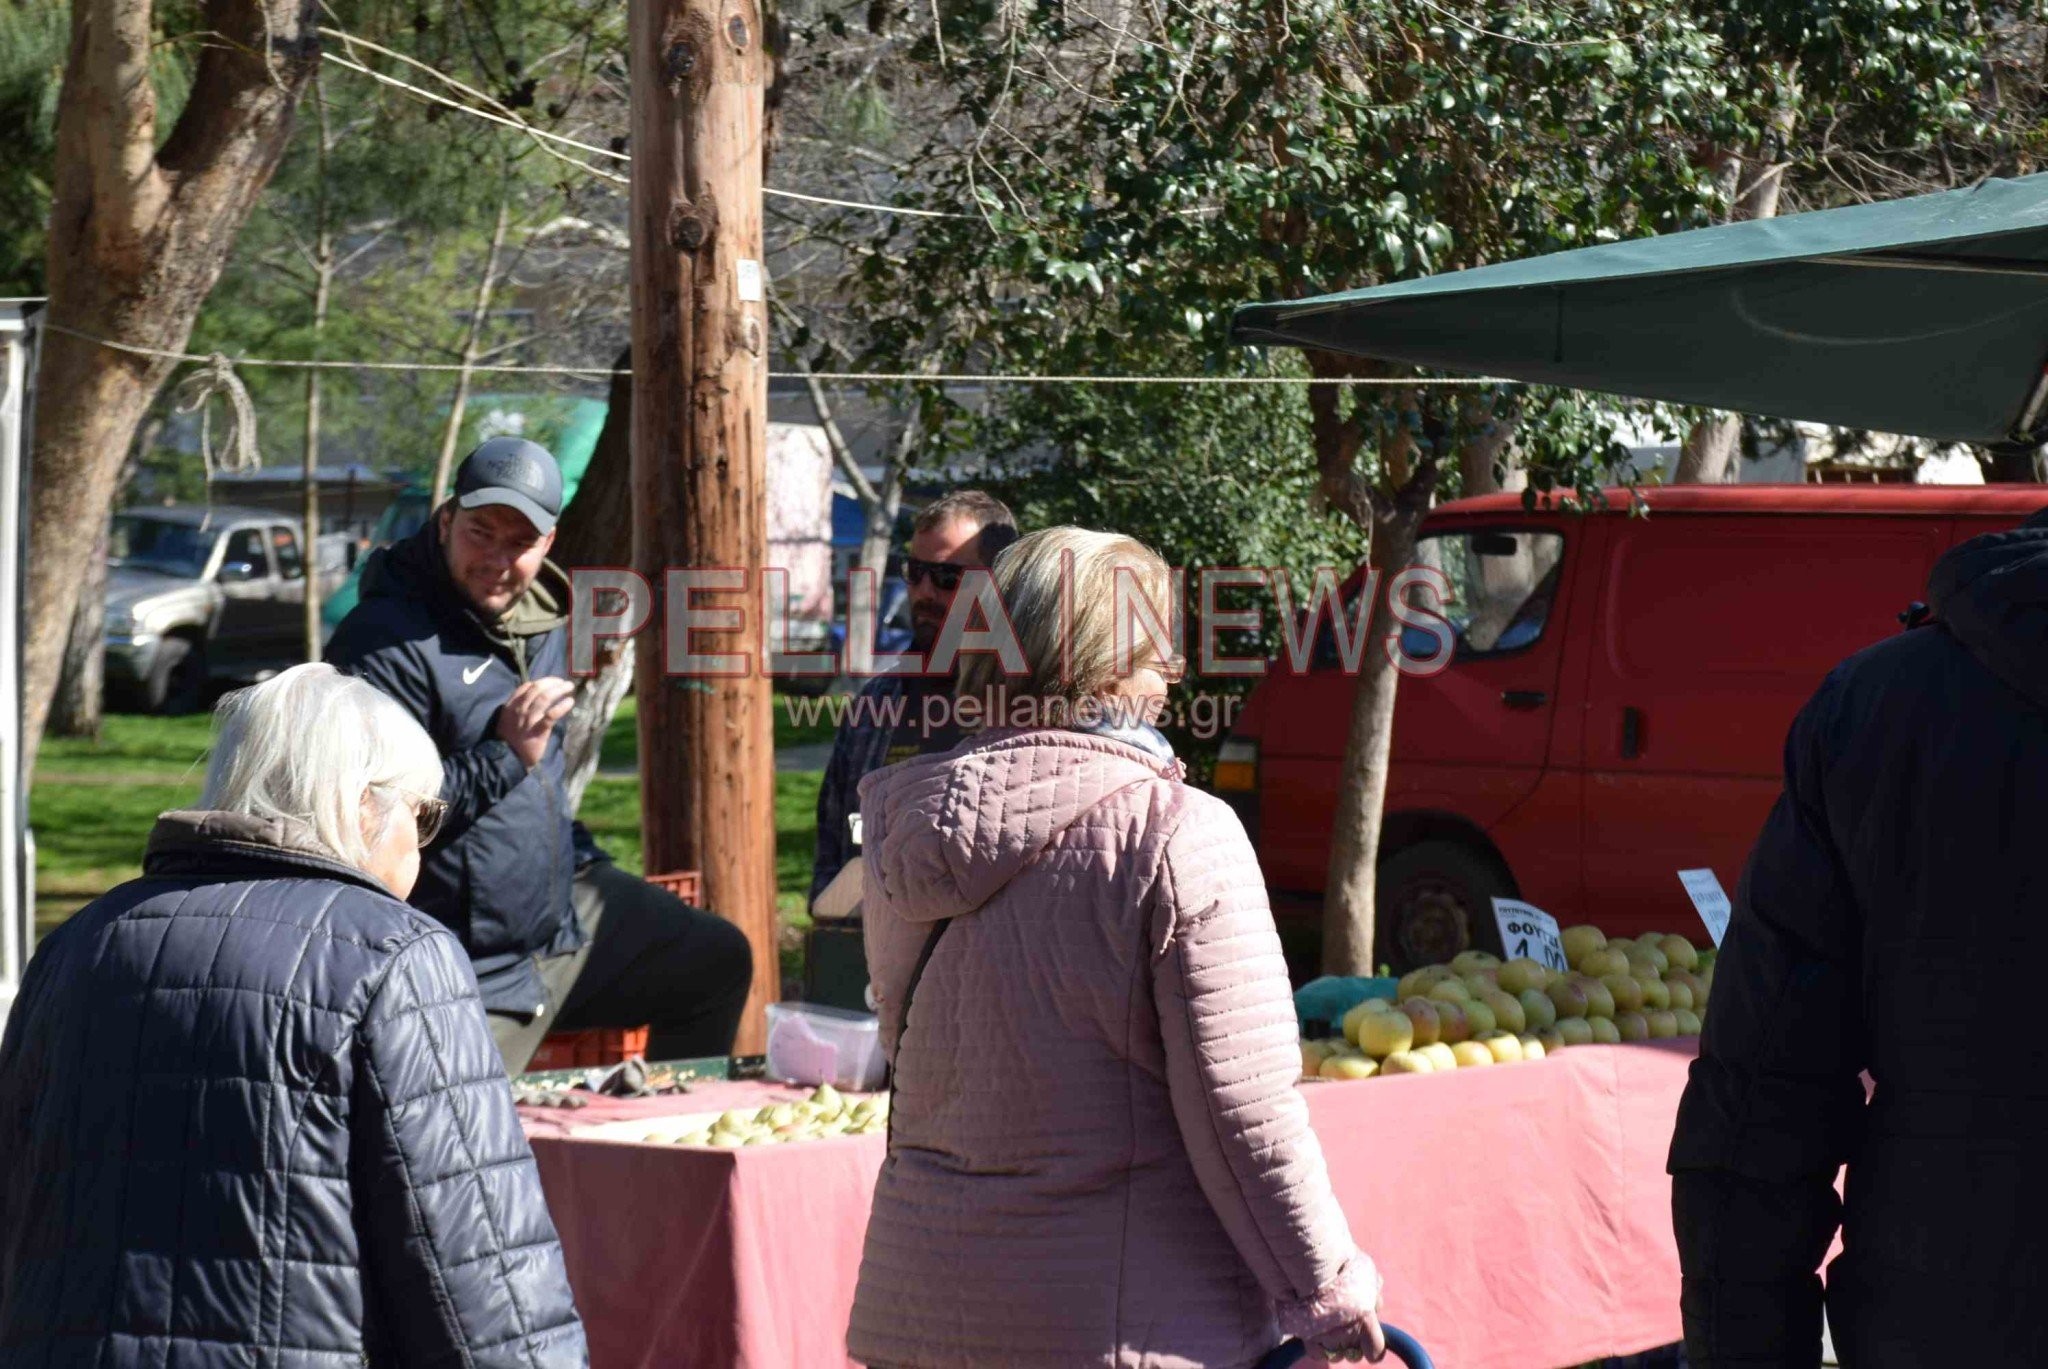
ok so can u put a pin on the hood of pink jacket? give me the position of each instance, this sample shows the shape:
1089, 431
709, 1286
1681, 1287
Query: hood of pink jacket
944, 834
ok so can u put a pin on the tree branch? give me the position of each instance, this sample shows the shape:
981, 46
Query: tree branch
109, 71
842, 453
243, 88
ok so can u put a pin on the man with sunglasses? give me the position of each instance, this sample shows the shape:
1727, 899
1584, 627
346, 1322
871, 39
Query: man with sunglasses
464, 624
889, 721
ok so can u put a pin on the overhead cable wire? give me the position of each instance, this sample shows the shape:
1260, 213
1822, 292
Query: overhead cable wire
837, 377
520, 125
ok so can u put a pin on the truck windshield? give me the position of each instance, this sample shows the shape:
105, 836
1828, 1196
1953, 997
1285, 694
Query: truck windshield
1501, 585
160, 545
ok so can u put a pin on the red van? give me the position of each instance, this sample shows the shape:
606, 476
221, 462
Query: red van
1616, 707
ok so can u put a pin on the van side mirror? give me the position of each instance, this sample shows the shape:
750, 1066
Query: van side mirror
235, 572
1495, 544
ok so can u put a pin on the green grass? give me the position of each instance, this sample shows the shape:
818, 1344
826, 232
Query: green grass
93, 803
161, 748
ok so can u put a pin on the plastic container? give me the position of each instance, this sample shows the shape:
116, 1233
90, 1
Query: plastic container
1321, 1004
809, 1043
578, 1050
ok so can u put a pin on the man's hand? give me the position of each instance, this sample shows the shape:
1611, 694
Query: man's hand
528, 718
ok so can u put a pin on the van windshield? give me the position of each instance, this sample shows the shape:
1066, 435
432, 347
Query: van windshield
1502, 584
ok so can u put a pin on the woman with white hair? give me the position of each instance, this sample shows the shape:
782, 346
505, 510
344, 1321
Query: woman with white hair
250, 1110
1098, 1153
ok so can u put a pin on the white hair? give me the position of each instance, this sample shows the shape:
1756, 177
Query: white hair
313, 745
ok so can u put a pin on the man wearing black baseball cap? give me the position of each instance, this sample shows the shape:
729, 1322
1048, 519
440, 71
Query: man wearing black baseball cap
465, 624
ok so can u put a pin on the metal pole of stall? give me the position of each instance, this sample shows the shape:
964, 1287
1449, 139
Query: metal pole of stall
17, 888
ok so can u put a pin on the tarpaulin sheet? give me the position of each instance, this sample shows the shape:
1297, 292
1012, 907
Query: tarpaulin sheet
1520, 1215
1926, 315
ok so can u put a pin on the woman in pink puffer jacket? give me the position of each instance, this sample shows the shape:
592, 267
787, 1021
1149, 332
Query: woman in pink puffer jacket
1099, 1156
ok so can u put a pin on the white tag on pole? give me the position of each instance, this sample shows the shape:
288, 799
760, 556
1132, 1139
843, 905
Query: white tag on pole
749, 281
1527, 932
1710, 899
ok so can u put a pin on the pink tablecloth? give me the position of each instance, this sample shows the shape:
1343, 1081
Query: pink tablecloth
1520, 1215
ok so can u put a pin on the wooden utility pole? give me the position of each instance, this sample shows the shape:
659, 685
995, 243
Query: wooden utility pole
700, 436
323, 288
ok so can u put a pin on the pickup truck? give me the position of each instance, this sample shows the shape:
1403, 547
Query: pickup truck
202, 595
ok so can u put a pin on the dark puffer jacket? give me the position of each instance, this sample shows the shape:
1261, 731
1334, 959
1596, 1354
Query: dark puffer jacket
1891, 920
251, 1115
500, 873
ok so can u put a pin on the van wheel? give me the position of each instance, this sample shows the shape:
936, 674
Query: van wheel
1436, 899
177, 682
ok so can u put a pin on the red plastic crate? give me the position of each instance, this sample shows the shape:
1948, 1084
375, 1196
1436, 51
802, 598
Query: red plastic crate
599, 1046
687, 885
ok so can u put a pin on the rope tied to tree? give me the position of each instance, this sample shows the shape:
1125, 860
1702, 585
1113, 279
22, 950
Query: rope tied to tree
195, 394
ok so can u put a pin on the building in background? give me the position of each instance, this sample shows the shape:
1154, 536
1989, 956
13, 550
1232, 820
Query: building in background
1815, 454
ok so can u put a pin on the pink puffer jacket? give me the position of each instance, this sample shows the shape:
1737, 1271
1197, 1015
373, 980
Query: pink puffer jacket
1099, 1154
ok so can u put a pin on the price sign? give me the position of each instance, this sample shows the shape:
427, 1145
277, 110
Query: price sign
1707, 896
1526, 931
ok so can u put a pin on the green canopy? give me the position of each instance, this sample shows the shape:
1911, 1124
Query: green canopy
1926, 316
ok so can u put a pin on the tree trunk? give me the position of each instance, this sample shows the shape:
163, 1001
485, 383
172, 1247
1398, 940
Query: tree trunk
1480, 458
471, 345
323, 284
1350, 899
597, 703
876, 538
79, 707
1708, 454
80, 702
1711, 450
597, 530
138, 236
879, 505
1349, 896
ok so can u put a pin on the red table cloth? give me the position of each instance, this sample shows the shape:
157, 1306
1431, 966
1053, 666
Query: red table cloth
1520, 1215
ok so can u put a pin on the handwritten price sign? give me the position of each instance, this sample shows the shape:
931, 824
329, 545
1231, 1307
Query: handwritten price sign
1710, 899
1527, 932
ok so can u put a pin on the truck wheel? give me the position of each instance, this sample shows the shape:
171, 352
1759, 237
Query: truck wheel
1435, 899
178, 680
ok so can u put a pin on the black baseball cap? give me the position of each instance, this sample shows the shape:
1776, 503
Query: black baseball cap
511, 471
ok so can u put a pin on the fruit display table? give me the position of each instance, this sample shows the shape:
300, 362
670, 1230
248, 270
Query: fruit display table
1520, 1215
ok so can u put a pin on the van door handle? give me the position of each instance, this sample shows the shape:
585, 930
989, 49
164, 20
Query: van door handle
1631, 733
1524, 699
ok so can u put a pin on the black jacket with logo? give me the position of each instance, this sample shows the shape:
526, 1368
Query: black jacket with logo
1890, 922
499, 874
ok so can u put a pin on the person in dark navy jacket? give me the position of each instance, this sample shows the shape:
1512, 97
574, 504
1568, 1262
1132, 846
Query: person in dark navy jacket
250, 1110
1876, 1006
465, 625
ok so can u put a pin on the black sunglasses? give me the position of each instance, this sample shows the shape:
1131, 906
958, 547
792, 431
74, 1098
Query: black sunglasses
942, 574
